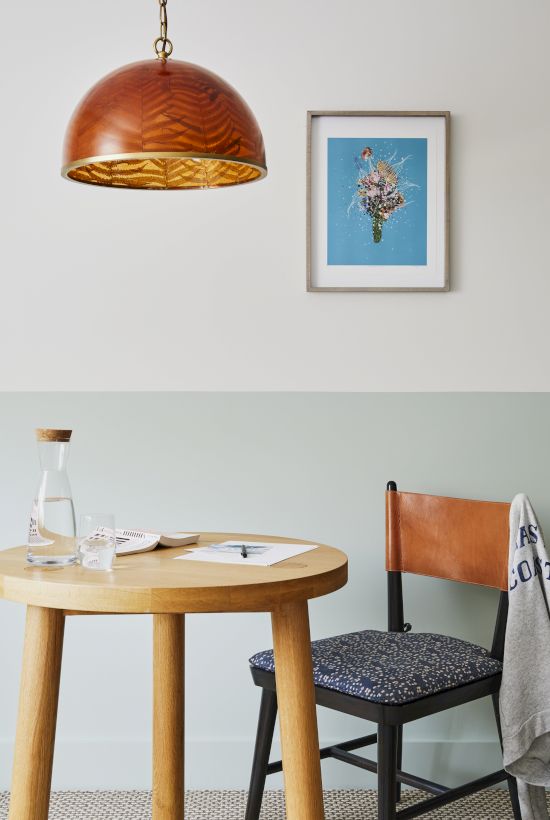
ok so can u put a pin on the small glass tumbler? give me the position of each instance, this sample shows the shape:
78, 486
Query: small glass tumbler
96, 541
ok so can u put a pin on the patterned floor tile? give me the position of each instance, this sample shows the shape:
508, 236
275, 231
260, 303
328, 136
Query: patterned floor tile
230, 805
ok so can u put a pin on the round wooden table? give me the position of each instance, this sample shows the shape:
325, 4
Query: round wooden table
153, 583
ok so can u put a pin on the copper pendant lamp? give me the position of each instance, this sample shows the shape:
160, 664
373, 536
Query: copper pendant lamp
163, 124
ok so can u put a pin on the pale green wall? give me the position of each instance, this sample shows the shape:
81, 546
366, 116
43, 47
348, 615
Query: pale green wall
307, 465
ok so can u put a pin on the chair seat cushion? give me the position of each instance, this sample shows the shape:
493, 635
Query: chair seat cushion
393, 667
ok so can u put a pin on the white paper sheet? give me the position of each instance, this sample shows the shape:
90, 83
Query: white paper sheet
260, 553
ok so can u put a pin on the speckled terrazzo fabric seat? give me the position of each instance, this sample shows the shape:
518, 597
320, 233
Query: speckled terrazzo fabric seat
393, 667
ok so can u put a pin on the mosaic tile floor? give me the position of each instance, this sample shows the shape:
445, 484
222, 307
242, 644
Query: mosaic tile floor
230, 805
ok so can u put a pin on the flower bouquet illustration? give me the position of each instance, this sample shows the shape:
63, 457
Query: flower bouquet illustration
381, 187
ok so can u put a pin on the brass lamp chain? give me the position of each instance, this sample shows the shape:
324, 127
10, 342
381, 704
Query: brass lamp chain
162, 45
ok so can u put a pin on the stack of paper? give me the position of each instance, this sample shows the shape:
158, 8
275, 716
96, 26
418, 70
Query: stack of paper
246, 553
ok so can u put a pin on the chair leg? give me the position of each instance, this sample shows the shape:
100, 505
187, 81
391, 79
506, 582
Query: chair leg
512, 785
399, 761
262, 749
387, 771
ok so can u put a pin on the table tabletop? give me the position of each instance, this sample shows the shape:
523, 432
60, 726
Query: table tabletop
152, 582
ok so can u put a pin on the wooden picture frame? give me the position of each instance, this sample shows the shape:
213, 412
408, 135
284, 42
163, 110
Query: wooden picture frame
377, 216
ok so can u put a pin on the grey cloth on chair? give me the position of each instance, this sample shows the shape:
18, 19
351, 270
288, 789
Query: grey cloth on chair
525, 690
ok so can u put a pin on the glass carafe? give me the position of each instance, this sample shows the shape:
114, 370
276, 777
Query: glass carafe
52, 528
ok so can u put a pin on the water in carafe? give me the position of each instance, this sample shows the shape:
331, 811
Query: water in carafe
52, 528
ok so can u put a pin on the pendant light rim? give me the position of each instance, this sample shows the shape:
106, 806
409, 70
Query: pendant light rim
141, 155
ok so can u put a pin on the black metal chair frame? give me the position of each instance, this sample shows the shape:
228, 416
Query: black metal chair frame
390, 720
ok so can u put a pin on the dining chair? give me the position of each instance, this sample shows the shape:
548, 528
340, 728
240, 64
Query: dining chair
395, 677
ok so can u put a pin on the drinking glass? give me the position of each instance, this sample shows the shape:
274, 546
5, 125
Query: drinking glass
96, 541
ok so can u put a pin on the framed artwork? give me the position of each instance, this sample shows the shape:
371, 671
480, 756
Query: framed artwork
378, 200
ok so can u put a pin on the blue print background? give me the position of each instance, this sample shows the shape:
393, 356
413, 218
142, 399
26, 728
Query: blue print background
349, 230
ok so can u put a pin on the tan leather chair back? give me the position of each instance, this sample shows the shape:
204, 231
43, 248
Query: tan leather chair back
452, 538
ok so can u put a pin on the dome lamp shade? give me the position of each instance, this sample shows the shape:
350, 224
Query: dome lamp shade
163, 124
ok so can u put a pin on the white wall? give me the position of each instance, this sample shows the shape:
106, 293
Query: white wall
305, 465
215, 280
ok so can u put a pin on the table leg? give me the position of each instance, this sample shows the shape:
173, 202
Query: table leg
168, 712
297, 714
39, 692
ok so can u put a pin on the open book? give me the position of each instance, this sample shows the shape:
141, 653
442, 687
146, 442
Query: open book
130, 541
